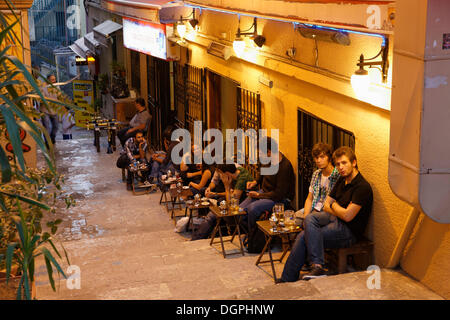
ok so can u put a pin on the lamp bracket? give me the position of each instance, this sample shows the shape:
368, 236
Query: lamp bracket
384, 63
245, 32
188, 17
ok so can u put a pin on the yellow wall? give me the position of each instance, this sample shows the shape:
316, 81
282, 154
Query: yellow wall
427, 257
369, 124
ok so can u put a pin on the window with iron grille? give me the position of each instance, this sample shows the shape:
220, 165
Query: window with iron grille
312, 130
195, 97
249, 117
180, 74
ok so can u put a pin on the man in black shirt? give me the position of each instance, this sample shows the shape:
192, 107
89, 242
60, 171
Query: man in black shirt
278, 187
342, 222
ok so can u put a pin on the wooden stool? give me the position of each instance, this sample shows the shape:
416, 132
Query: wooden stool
362, 248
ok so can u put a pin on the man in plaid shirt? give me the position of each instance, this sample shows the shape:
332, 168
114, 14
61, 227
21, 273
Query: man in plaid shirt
135, 149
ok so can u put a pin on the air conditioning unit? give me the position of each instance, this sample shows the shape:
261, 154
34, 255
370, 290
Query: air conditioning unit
219, 50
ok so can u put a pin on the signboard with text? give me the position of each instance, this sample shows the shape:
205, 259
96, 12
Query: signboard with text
146, 37
83, 97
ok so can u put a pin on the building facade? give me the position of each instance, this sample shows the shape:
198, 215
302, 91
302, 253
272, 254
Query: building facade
298, 81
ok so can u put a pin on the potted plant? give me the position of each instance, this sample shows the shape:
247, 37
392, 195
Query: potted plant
118, 69
103, 83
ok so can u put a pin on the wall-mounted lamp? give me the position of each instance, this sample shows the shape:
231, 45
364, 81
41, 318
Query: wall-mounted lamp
239, 43
181, 27
363, 75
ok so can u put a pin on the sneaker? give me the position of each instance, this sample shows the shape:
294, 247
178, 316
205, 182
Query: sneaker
306, 267
316, 272
129, 188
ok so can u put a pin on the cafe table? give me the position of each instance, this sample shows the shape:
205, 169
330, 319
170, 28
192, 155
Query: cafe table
270, 234
140, 188
192, 205
226, 216
165, 185
177, 193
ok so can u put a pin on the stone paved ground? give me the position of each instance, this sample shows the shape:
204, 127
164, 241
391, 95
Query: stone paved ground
126, 248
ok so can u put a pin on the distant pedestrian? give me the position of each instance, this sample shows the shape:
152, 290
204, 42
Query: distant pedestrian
50, 118
68, 122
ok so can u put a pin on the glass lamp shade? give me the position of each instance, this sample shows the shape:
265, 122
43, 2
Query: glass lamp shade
239, 46
181, 29
360, 84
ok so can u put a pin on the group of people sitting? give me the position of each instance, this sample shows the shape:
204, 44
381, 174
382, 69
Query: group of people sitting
336, 211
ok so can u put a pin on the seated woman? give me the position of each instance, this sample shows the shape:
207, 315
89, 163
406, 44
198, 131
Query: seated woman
231, 176
206, 174
189, 171
161, 161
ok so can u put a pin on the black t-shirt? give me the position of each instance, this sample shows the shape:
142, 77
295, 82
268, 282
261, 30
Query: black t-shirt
359, 192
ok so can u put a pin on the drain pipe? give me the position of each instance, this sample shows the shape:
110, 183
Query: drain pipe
403, 239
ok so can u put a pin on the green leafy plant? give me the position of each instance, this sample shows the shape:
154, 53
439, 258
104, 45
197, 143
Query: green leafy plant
26, 250
29, 197
103, 83
117, 67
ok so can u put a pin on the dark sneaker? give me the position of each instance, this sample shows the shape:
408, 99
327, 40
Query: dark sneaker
129, 188
306, 268
316, 272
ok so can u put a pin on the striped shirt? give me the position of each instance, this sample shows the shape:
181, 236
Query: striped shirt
132, 149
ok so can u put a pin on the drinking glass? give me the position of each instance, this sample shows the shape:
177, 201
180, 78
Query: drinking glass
289, 218
234, 205
279, 212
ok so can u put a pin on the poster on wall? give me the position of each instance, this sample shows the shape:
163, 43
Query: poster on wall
83, 97
28, 147
146, 37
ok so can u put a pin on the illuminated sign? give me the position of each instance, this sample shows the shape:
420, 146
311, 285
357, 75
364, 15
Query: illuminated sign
145, 37
83, 97
80, 61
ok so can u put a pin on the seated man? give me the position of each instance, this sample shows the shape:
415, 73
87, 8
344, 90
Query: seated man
134, 151
138, 122
279, 187
216, 188
340, 224
230, 175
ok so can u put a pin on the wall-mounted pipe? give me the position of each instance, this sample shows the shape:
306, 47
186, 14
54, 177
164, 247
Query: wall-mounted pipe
403, 239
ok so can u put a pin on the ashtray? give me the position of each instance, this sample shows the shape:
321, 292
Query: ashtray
205, 203
185, 187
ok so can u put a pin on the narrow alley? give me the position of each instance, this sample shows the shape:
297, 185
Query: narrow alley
126, 248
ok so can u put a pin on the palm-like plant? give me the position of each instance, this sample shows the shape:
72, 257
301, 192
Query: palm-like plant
22, 204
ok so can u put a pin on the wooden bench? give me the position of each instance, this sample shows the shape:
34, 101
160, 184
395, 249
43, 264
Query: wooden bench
362, 249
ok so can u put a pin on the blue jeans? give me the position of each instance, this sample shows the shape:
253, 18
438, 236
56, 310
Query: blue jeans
255, 208
322, 230
159, 169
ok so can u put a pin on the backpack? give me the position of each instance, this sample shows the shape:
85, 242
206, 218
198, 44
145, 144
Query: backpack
256, 241
123, 161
